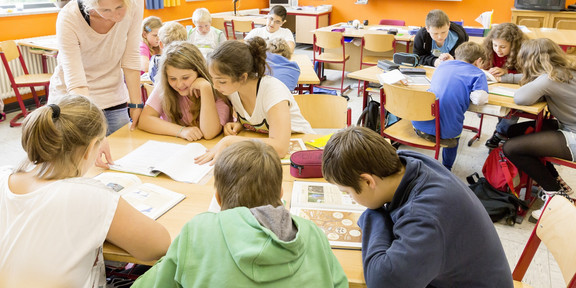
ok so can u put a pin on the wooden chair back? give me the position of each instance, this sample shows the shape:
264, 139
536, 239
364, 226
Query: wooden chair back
378, 42
147, 91
392, 22
242, 26
324, 111
557, 231
328, 39
408, 103
10, 50
218, 23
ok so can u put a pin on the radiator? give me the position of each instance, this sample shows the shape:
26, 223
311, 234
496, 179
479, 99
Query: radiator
34, 65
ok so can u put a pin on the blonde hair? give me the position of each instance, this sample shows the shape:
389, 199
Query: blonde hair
279, 46
172, 31
469, 52
201, 15
93, 5
182, 55
510, 33
149, 24
56, 138
248, 174
543, 56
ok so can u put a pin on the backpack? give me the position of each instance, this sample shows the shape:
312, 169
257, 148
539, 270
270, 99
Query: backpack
499, 171
371, 116
498, 204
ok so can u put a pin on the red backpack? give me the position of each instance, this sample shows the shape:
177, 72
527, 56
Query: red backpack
499, 171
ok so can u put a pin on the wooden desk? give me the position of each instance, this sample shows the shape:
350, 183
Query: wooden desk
198, 197
46, 43
307, 74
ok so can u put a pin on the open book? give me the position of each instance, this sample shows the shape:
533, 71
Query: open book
503, 91
295, 145
174, 160
489, 77
150, 199
335, 212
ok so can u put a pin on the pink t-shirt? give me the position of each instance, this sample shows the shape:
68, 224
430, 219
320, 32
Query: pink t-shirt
144, 50
155, 101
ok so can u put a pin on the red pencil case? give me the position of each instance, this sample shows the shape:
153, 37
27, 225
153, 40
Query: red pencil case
306, 164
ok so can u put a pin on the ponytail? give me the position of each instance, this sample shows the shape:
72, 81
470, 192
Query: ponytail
234, 58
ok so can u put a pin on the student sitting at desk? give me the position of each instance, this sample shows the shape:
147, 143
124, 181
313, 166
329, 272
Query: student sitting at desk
278, 59
549, 73
423, 227
170, 32
150, 45
455, 83
273, 29
262, 103
254, 241
502, 45
184, 104
204, 36
437, 42
53, 222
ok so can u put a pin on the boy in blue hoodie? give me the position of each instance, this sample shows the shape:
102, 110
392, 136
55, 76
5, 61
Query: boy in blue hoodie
253, 241
424, 227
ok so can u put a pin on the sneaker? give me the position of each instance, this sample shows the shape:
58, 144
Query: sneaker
494, 141
545, 196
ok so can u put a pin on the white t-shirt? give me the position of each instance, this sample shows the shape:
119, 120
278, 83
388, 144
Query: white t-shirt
283, 33
206, 43
53, 237
271, 92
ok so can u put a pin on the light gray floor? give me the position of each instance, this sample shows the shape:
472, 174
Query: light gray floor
543, 272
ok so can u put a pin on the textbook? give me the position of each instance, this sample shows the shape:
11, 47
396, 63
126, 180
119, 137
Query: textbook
319, 143
503, 91
295, 145
335, 212
150, 199
489, 77
174, 160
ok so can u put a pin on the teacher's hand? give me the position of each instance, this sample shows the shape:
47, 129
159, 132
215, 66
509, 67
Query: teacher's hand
134, 115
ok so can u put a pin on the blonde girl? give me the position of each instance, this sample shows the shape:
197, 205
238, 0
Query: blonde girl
551, 74
262, 103
184, 104
53, 222
150, 44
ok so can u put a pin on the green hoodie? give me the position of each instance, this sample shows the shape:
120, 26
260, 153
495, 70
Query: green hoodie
232, 249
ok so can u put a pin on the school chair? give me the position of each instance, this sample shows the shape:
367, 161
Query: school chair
410, 105
330, 40
146, 91
324, 111
557, 231
241, 26
392, 22
220, 24
9, 51
374, 42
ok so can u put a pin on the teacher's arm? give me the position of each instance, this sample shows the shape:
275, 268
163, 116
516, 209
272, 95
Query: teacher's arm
132, 78
131, 61
70, 55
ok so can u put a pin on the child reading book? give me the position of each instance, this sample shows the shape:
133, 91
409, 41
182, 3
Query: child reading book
273, 29
184, 104
53, 222
204, 36
282, 251
423, 225
262, 103
150, 44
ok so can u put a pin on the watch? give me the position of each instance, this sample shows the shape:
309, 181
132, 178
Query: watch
131, 105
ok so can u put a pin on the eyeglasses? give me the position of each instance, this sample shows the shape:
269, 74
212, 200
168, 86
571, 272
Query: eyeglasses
276, 22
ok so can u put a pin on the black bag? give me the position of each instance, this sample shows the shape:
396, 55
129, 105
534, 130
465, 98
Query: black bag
371, 116
498, 204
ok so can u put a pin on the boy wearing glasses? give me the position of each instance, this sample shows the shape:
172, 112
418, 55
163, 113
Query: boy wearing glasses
273, 29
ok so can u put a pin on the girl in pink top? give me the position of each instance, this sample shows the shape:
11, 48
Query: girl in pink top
184, 104
150, 44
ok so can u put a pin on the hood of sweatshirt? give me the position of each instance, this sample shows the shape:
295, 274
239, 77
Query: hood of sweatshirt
262, 256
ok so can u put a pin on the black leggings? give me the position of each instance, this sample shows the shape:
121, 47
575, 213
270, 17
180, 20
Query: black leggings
525, 150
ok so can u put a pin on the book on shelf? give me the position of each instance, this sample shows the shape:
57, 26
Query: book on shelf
174, 160
320, 142
503, 91
295, 145
335, 212
150, 199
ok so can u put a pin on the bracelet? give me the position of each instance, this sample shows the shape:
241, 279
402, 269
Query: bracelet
178, 135
131, 105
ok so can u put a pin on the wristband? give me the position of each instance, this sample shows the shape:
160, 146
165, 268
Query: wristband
178, 135
131, 105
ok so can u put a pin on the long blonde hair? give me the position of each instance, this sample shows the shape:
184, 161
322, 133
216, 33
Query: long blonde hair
56, 136
511, 34
182, 55
543, 56
148, 24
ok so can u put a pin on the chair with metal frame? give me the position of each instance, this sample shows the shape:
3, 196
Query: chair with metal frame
394, 22
330, 40
241, 26
324, 111
220, 24
9, 51
374, 42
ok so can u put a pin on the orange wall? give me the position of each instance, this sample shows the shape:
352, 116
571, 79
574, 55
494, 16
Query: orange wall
18, 27
414, 11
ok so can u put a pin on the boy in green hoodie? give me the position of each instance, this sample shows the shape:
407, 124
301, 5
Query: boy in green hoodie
253, 241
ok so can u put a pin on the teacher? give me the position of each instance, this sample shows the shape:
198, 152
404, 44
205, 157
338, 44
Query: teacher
98, 57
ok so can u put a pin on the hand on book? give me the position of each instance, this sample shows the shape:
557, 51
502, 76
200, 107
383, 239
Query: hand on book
497, 72
104, 151
212, 154
191, 133
232, 128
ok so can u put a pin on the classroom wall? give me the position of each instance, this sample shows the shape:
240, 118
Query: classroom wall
45, 24
414, 11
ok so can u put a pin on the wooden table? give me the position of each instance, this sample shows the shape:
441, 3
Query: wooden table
46, 43
307, 74
198, 197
